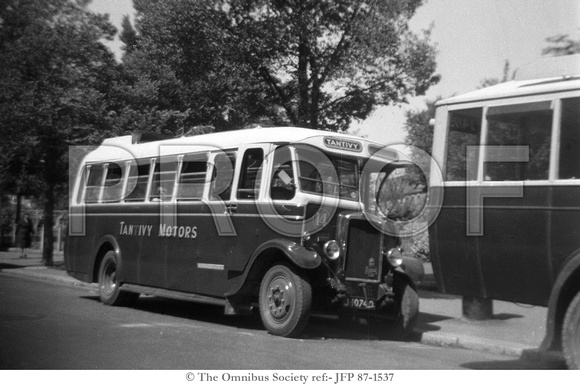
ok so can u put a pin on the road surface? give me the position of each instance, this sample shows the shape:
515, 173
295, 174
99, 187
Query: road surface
46, 325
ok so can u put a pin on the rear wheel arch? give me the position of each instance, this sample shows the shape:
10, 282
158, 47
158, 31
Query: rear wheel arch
104, 247
105, 244
110, 291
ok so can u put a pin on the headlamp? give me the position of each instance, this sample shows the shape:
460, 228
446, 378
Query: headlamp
332, 249
395, 256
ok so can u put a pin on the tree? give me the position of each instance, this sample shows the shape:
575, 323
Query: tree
313, 63
55, 78
418, 127
128, 35
486, 82
329, 62
561, 44
183, 74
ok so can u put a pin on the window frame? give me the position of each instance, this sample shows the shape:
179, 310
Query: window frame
245, 175
441, 152
139, 163
201, 158
163, 172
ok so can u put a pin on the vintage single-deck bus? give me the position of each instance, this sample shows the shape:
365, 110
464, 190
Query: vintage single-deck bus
281, 220
509, 226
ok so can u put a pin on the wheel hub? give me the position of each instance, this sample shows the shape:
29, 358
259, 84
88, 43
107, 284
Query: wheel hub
280, 298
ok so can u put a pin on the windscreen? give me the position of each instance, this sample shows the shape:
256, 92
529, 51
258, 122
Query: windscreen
325, 174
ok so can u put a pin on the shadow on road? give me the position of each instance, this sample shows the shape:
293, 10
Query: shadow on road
516, 364
192, 311
4, 266
426, 320
319, 327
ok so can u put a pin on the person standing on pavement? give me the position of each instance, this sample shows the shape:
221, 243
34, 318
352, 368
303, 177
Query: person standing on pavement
24, 233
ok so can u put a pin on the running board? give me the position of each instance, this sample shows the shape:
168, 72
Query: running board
173, 294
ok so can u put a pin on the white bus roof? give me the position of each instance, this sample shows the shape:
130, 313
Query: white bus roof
118, 148
546, 75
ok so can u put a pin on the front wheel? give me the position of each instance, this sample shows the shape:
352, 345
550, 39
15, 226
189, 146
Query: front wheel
408, 311
109, 288
571, 334
406, 314
285, 301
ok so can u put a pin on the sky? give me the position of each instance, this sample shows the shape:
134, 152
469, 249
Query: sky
474, 38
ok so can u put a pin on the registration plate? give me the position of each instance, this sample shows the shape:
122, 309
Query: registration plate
359, 303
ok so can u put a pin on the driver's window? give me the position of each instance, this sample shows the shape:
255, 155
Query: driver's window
222, 176
282, 185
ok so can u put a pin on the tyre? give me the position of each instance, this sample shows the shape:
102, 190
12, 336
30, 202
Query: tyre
571, 334
109, 288
285, 301
406, 314
408, 311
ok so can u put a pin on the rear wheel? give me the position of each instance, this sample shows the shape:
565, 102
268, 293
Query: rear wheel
109, 288
285, 301
571, 334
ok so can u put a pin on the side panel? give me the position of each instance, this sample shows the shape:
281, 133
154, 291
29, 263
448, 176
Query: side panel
188, 246
510, 261
565, 226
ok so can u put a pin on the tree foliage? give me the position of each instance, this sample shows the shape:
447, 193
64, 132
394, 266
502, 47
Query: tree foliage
561, 44
419, 130
189, 64
55, 77
313, 63
418, 123
487, 82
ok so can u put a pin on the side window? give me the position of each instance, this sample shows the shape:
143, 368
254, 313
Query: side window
192, 179
249, 185
113, 187
464, 130
83, 184
570, 139
222, 176
137, 181
94, 183
163, 180
282, 185
526, 125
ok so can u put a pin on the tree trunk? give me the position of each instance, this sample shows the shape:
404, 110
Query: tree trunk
49, 184
315, 99
48, 246
303, 100
2, 244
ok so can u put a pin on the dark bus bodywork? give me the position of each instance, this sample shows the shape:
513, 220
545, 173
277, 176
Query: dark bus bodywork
270, 233
509, 224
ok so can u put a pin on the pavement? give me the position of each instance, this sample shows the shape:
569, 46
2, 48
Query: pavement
515, 330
